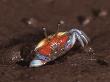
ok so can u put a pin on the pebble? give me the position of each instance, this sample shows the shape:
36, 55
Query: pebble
31, 21
86, 21
103, 13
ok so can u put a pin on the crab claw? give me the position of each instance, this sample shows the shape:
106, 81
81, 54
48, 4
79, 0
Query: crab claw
39, 60
81, 36
36, 63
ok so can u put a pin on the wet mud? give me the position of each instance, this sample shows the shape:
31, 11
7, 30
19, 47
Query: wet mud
21, 23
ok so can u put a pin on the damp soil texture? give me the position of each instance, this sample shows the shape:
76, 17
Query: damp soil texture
21, 23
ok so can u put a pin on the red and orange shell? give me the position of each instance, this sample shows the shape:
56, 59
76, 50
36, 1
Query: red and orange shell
45, 46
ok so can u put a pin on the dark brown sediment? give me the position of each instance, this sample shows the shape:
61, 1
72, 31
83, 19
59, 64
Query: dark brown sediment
16, 30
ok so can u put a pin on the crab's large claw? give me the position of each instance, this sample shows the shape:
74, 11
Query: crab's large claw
81, 36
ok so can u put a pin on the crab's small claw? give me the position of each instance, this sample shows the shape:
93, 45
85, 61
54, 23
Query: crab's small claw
81, 36
39, 60
36, 63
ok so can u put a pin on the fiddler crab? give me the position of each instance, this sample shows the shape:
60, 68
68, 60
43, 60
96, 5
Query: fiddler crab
56, 45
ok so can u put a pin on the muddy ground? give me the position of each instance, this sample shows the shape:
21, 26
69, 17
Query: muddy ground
15, 31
